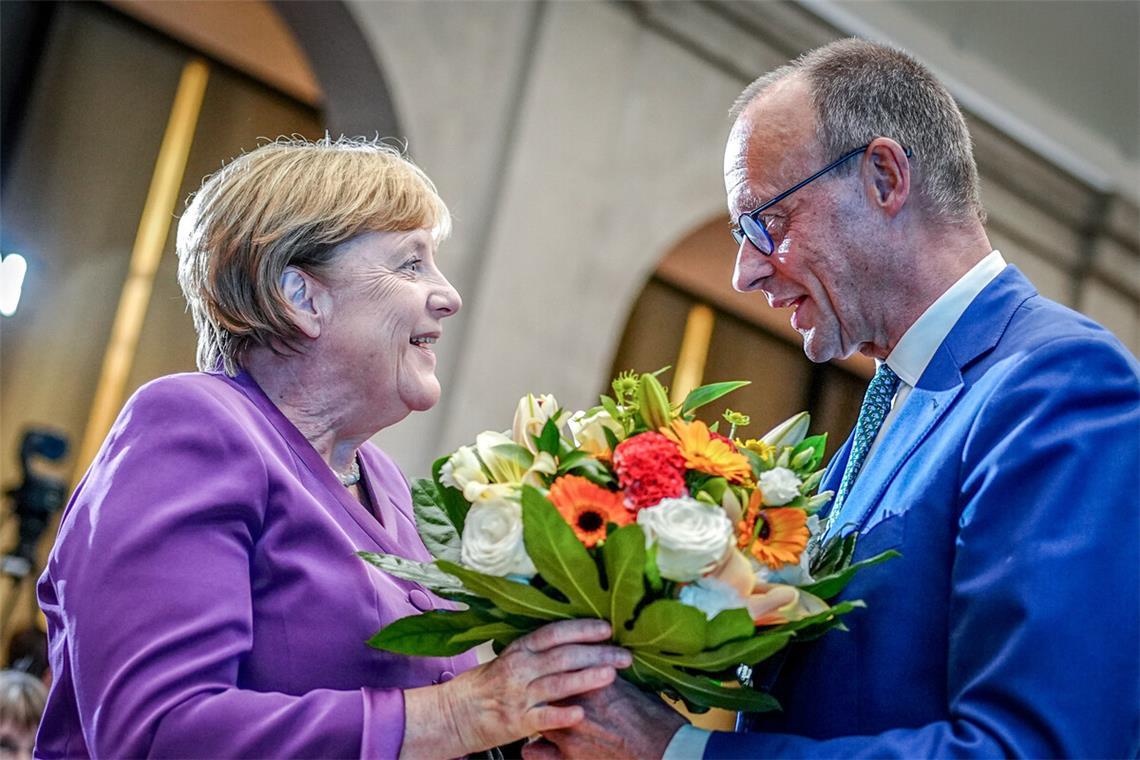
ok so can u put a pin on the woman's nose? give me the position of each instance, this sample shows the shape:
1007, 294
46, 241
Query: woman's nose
445, 300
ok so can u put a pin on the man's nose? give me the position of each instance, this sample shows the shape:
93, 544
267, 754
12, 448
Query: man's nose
751, 268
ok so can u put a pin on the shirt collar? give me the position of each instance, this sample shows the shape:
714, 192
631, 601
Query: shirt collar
916, 348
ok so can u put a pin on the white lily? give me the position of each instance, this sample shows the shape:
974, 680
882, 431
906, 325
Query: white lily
531, 416
789, 432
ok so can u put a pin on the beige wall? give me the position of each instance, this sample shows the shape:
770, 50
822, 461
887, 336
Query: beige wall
580, 142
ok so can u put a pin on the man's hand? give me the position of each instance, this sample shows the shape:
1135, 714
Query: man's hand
621, 722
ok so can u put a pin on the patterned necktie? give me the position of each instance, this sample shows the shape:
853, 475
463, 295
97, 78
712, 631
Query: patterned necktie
876, 404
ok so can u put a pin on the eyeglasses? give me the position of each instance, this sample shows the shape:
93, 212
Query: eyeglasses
749, 225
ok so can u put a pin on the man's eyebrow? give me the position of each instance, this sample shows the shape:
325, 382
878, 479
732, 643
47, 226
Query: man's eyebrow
749, 202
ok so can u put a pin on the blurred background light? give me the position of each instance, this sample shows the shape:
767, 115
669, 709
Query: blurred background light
12, 270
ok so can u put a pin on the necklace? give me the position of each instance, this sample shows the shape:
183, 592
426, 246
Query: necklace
350, 478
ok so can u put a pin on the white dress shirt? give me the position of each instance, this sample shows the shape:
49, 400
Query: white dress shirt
909, 359
911, 356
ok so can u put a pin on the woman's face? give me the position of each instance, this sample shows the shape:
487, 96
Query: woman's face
387, 302
16, 742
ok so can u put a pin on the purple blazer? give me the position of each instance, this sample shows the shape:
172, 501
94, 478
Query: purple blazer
204, 598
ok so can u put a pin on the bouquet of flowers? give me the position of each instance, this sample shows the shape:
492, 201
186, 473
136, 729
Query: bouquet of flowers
701, 550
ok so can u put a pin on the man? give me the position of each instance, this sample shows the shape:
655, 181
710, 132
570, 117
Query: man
997, 448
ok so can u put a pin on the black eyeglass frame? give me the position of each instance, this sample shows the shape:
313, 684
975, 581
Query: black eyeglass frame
741, 231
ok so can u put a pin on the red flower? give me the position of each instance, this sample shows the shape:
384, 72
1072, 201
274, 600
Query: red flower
649, 468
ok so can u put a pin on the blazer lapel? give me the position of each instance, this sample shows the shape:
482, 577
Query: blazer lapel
334, 492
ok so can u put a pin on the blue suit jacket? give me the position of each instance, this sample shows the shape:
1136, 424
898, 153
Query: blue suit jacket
1010, 625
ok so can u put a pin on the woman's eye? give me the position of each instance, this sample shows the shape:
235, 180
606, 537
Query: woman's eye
413, 265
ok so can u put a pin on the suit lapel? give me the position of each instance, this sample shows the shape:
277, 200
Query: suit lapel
919, 415
975, 334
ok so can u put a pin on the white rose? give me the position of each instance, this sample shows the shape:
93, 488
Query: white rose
589, 432
779, 486
530, 418
493, 537
692, 537
462, 469
711, 597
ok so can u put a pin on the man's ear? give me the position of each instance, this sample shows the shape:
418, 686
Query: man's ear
304, 295
888, 175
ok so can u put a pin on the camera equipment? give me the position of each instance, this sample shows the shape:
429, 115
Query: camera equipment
34, 501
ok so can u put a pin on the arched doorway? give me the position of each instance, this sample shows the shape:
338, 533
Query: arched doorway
689, 317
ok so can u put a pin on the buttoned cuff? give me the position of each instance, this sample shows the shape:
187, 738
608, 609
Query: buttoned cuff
383, 734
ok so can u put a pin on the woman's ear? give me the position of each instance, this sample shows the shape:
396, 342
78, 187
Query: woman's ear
303, 294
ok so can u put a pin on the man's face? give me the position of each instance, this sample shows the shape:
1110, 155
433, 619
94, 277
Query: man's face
823, 266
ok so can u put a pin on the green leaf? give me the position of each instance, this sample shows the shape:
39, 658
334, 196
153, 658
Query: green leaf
433, 523
509, 596
429, 634
700, 690
652, 572
426, 574
497, 631
741, 652
706, 394
715, 488
560, 557
818, 443
758, 465
834, 556
669, 626
729, 625
827, 587
548, 440
808, 486
831, 614
624, 558
571, 460
594, 471
611, 438
451, 499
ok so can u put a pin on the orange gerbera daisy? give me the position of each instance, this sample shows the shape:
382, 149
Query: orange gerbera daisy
588, 507
708, 452
776, 537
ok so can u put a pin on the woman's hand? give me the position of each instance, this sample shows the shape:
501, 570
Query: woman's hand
510, 697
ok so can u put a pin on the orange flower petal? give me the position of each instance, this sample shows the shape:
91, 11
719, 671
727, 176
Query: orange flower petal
588, 507
706, 454
782, 537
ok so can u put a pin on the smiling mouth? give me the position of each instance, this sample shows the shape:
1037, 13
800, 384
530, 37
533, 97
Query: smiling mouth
789, 303
796, 320
423, 341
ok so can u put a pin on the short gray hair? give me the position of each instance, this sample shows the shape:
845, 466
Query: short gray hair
862, 90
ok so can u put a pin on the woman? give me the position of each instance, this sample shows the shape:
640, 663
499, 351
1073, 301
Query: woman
203, 597
21, 704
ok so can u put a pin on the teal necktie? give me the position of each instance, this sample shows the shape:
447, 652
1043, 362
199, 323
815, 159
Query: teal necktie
876, 404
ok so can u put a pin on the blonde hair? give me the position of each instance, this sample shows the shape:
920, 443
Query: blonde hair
291, 202
22, 699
